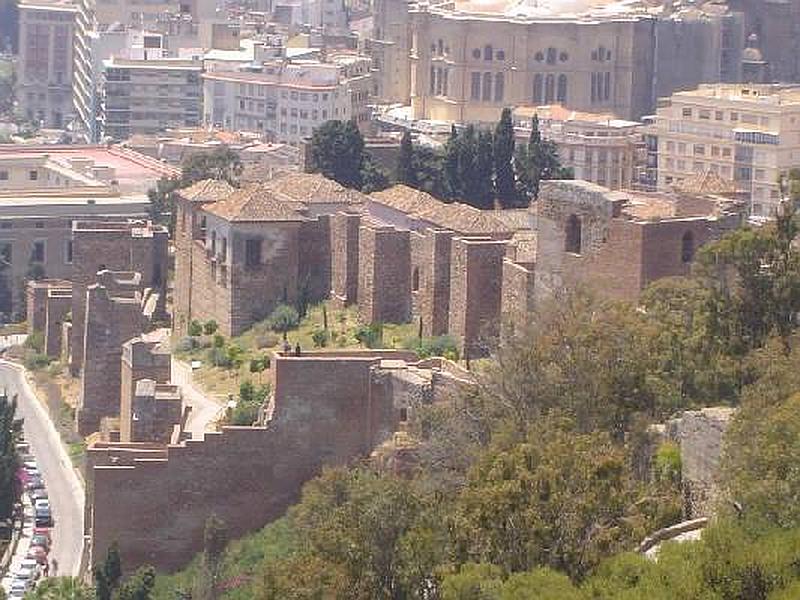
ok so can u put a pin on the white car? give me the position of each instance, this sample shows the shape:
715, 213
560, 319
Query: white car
41, 503
30, 564
19, 587
25, 574
30, 465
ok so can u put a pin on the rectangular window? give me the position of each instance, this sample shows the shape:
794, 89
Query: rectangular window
252, 253
686, 113
6, 254
705, 115
3, 175
475, 86
38, 252
699, 150
33, 175
718, 115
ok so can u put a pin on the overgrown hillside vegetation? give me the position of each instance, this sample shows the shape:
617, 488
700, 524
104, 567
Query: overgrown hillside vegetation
541, 483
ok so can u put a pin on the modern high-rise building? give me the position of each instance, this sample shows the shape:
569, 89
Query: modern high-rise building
745, 134
44, 84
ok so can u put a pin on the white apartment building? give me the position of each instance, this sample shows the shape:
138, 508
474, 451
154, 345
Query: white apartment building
600, 148
286, 101
149, 95
746, 134
46, 30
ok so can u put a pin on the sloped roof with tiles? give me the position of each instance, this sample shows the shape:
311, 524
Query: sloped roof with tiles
207, 190
252, 204
461, 218
705, 183
311, 188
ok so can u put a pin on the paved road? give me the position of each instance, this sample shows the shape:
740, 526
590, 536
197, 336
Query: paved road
205, 409
63, 486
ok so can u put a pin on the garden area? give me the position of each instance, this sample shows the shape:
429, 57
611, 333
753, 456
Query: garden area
226, 363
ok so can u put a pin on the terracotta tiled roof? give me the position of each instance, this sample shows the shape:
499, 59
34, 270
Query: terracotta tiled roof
461, 218
254, 203
311, 188
207, 190
705, 183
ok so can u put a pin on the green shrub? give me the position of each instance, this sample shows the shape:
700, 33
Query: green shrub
37, 361
210, 327
186, 344
668, 462
35, 341
441, 345
219, 341
370, 336
320, 337
219, 358
251, 398
283, 319
195, 328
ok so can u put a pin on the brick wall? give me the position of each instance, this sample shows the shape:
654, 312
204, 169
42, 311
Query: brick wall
345, 228
140, 360
115, 246
314, 247
59, 304
155, 503
476, 275
700, 434
518, 293
155, 410
384, 285
257, 290
112, 316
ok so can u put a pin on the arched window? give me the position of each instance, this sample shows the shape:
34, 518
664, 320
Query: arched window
499, 87
488, 52
446, 74
561, 92
440, 47
438, 82
552, 53
572, 242
433, 81
415, 280
687, 247
549, 88
487, 87
538, 88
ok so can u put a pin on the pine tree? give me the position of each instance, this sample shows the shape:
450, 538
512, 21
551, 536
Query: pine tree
405, 162
503, 156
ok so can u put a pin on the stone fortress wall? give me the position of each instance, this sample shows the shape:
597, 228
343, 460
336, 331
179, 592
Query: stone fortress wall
327, 409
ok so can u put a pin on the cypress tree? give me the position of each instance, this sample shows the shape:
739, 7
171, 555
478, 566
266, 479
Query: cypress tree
452, 174
405, 162
466, 177
484, 170
503, 156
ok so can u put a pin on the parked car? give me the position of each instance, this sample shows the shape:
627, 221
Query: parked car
43, 531
30, 465
43, 517
41, 503
32, 564
34, 483
38, 554
38, 494
19, 587
41, 540
27, 573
